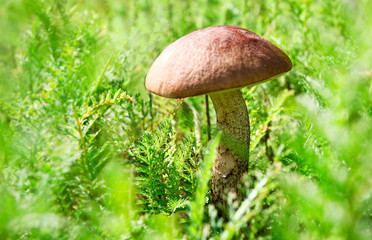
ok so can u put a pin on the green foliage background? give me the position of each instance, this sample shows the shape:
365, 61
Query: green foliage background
87, 153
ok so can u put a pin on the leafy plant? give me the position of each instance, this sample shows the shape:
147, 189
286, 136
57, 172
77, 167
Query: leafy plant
166, 169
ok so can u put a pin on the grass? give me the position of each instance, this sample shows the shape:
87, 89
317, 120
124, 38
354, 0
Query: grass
87, 153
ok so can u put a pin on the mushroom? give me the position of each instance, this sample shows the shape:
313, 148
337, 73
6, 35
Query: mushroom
219, 61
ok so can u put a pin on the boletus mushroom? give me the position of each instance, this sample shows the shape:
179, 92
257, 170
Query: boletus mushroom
218, 61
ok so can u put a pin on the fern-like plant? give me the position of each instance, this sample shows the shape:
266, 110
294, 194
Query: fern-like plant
165, 169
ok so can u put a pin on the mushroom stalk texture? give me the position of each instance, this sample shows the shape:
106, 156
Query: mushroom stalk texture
233, 152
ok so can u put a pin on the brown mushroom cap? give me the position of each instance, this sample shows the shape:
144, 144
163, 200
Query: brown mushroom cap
215, 59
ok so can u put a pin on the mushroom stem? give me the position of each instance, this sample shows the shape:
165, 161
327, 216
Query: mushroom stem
233, 152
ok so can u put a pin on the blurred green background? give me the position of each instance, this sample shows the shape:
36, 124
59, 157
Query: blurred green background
87, 153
